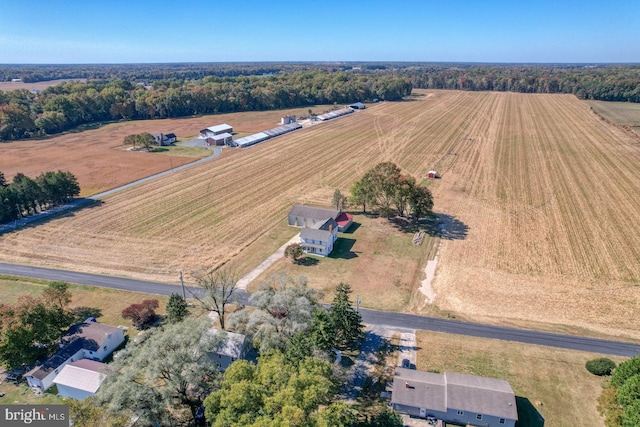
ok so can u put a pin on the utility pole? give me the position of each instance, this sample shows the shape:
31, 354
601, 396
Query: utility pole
358, 301
184, 295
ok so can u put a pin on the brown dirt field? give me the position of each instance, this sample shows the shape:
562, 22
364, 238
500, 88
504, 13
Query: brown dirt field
9, 86
98, 159
549, 194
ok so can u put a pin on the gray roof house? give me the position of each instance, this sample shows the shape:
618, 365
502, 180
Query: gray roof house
454, 398
320, 237
308, 216
232, 347
86, 340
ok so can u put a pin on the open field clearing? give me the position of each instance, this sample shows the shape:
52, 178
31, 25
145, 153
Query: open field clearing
624, 113
9, 86
539, 200
98, 159
554, 381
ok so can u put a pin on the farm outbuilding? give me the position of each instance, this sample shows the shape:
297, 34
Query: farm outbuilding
287, 120
81, 379
335, 113
357, 106
250, 140
220, 139
216, 130
432, 175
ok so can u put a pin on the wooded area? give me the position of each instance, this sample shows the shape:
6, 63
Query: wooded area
58, 108
25, 196
152, 91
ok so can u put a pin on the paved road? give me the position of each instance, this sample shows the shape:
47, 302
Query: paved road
372, 317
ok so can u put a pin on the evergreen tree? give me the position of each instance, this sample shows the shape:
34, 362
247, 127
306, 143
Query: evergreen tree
176, 308
346, 322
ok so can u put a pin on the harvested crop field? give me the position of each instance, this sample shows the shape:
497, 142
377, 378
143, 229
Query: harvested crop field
99, 160
539, 200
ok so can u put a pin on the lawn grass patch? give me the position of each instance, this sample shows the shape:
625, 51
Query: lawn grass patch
377, 259
549, 381
108, 303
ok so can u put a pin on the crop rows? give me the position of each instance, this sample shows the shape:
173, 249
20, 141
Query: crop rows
544, 196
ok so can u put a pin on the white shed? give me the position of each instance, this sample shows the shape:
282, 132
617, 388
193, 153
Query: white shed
80, 379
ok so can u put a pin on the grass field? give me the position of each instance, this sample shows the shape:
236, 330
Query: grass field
109, 302
379, 262
539, 199
554, 382
624, 113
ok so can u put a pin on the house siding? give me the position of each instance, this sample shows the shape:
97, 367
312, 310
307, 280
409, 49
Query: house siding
74, 393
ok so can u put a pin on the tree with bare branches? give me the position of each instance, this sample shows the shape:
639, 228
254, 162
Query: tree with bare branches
219, 286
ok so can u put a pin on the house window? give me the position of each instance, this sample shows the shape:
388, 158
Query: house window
502, 421
460, 412
479, 417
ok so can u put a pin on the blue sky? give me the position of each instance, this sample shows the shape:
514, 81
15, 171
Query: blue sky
139, 31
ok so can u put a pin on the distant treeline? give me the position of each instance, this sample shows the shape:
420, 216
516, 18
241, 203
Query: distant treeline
68, 105
152, 91
24, 196
605, 83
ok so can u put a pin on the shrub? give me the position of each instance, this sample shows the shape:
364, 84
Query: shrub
626, 370
602, 366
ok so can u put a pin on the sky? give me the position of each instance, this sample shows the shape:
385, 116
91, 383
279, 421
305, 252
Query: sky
161, 31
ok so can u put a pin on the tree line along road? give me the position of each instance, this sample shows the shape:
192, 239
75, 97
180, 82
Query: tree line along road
373, 317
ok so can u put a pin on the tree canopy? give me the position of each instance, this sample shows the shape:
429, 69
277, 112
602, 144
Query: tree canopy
164, 375
30, 329
25, 196
278, 392
385, 187
283, 307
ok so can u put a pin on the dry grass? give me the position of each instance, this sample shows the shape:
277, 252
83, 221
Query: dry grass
110, 302
554, 381
9, 86
379, 261
100, 162
541, 198
624, 113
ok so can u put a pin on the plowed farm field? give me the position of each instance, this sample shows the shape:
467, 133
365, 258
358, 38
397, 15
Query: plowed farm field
548, 195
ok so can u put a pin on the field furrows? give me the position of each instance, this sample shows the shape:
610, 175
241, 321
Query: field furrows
541, 197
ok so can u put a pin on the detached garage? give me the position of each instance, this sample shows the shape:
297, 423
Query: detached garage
81, 379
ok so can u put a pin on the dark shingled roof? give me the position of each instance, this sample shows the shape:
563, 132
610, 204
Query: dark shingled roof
92, 335
315, 213
59, 357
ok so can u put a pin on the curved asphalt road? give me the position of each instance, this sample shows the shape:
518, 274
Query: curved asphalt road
400, 320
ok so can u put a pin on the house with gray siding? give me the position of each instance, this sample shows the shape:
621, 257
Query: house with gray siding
454, 398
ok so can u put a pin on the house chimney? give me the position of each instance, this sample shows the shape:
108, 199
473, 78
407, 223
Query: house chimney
330, 228
406, 385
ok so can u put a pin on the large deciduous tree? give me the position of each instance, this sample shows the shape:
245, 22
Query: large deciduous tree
293, 252
220, 287
278, 392
164, 378
283, 307
30, 329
